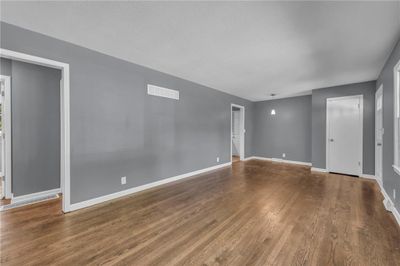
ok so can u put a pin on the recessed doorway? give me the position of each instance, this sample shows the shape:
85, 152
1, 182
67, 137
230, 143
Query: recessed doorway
237, 133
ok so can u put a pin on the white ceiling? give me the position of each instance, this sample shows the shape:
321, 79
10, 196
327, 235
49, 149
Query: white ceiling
248, 49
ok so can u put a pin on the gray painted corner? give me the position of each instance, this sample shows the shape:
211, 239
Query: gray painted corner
288, 131
391, 180
118, 130
318, 125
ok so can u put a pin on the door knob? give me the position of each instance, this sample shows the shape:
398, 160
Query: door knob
379, 144
331, 140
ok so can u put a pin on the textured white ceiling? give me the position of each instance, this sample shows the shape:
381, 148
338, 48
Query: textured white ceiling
248, 49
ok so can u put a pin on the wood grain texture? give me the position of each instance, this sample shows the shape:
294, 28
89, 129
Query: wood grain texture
253, 213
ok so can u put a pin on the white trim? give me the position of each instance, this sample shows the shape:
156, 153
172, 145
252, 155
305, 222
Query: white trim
368, 176
35, 196
396, 110
396, 169
91, 202
322, 170
242, 130
388, 203
280, 160
378, 93
361, 98
65, 115
7, 141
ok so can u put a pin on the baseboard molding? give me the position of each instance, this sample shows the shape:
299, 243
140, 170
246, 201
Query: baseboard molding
36, 196
389, 205
322, 170
368, 176
387, 201
101, 199
279, 160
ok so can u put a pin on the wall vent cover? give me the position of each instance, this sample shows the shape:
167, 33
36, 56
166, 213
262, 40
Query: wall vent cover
162, 92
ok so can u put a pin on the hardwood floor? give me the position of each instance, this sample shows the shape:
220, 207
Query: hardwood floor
235, 158
255, 213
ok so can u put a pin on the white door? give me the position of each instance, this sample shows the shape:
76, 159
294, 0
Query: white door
6, 135
2, 146
344, 135
236, 133
378, 133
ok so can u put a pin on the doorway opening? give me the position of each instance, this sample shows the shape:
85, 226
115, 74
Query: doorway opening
344, 132
5, 140
237, 133
39, 143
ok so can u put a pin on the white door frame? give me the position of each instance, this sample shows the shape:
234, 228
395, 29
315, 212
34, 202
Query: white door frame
361, 129
379, 91
65, 116
6, 130
242, 130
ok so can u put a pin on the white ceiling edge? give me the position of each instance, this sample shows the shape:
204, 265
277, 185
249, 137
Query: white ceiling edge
256, 48
278, 97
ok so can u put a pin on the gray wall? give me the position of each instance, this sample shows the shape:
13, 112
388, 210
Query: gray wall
35, 111
319, 96
35, 103
118, 130
289, 131
391, 180
5, 67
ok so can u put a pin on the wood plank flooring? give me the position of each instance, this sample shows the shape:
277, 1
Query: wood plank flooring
3, 201
253, 213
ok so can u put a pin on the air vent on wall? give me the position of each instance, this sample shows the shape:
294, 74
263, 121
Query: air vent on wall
162, 92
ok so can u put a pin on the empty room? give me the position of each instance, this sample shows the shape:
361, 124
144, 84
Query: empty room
200, 133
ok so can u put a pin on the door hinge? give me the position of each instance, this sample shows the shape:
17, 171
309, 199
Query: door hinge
2, 93
358, 106
359, 163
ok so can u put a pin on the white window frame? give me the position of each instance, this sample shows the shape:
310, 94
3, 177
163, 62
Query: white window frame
396, 86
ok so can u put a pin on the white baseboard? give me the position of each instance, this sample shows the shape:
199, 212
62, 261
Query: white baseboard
322, 170
387, 202
36, 196
389, 205
368, 176
278, 160
91, 202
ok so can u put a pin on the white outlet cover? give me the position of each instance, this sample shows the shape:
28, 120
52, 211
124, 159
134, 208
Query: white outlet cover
394, 194
217, 159
283, 155
123, 180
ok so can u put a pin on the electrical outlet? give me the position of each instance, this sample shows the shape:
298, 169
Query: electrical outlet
394, 194
217, 159
123, 180
283, 155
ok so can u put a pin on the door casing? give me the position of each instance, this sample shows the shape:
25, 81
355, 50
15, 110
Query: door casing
242, 130
378, 149
6, 133
360, 152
